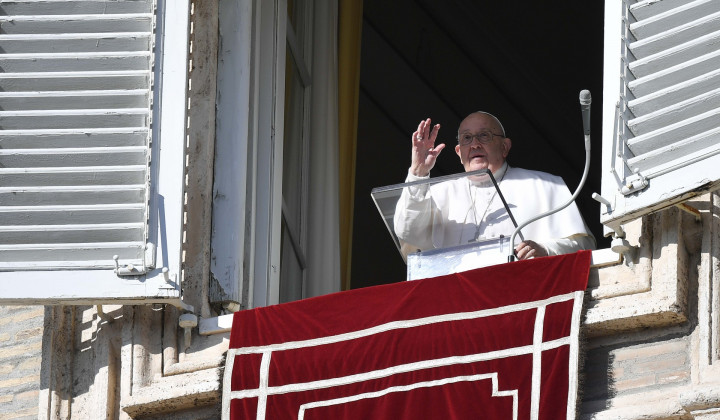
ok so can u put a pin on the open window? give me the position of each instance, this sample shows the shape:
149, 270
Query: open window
661, 111
92, 151
262, 185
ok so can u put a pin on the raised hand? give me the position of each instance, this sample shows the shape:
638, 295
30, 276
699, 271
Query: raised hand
424, 151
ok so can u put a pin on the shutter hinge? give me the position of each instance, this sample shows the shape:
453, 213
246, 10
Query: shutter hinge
128, 269
134, 270
634, 183
150, 253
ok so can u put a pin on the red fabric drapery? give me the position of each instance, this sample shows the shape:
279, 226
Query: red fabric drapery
498, 342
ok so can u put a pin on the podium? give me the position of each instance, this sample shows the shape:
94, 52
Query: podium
441, 261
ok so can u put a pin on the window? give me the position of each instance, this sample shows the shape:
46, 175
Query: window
661, 116
92, 150
262, 160
295, 155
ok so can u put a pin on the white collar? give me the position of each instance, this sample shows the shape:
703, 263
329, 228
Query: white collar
485, 180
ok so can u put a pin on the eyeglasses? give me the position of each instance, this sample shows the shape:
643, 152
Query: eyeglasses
484, 137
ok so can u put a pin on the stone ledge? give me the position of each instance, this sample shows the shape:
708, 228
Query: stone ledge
701, 399
648, 292
680, 404
173, 393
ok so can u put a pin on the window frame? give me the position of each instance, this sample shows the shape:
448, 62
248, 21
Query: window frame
246, 245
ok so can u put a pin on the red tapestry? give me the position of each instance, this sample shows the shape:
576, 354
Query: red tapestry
498, 342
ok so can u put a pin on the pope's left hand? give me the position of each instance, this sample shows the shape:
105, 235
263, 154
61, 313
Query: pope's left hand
529, 249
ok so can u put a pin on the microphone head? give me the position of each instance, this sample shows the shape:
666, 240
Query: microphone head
585, 98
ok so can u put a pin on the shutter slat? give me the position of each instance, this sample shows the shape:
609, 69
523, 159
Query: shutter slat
50, 24
79, 80
31, 234
676, 93
73, 138
676, 56
75, 195
675, 113
73, 99
75, 7
65, 119
72, 214
658, 20
63, 176
680, 152
675, 133
675, 36
666, 78
66, 43
69, 62
648, 8
99, 156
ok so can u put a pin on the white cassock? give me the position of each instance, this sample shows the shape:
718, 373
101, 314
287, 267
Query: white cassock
460, 211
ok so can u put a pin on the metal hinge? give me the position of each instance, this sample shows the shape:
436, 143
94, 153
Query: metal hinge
633, 183
132, 269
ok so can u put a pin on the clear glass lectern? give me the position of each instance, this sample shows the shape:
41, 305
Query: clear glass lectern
440, 261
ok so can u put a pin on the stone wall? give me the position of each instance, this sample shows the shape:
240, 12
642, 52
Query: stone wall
21, 331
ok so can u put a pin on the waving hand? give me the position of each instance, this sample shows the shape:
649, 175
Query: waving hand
424, 151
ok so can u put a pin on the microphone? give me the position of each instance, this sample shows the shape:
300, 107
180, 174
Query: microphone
585, 100
585, 108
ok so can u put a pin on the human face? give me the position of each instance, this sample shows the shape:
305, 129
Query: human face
475, 155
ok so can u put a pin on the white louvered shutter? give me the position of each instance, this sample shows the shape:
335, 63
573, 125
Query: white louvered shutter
661, 131
81, 167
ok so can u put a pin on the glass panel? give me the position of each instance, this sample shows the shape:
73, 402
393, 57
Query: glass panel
291, 272
294, 185
293, 156
386, 200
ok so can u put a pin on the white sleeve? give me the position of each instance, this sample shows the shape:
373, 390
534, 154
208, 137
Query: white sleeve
413, 215
568, 245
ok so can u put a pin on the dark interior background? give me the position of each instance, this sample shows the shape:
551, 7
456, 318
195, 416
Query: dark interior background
525, 62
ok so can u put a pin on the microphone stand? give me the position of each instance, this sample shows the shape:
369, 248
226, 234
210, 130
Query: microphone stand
585, 105
505, 204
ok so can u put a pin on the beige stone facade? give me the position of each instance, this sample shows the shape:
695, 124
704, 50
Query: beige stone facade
21, 332
652, 325
650, 347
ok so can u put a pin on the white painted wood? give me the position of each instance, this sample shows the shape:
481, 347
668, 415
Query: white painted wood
677, 113
74, 286
216, 325
64, 7
278, 135
168, 168
233, 147
612, 89
82, 84
668, 135
677, 55
111, 79
689, 89
683, 33
270, 58
659, 19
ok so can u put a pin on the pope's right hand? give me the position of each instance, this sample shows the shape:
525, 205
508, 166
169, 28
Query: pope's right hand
424, 151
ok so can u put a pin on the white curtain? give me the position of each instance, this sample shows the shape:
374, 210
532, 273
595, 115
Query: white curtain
323, 251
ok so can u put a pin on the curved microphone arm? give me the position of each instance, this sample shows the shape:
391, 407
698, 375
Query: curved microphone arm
585, 105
